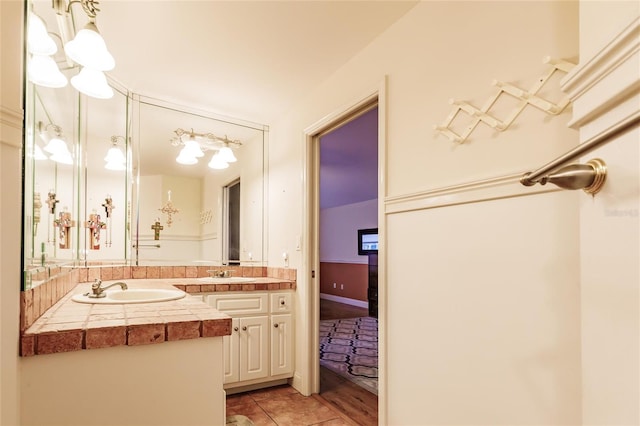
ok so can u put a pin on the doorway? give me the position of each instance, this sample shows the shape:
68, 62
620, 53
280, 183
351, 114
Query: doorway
231, 223
346, 171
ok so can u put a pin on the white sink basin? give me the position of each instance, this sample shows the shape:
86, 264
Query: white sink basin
227, 280
135, 295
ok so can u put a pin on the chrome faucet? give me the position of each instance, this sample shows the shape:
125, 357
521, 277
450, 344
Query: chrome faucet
97, 291
219, 273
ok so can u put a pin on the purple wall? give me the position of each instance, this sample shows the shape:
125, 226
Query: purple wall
349, 162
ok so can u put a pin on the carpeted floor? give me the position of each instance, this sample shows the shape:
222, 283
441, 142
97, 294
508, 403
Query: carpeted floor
349, 347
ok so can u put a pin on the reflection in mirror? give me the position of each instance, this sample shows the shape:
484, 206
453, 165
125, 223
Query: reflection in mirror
180, 199
50, 175
74, 209
81, 206
105, 141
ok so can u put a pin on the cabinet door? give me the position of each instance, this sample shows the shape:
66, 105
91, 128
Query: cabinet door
232, 353
254, 353
281, 344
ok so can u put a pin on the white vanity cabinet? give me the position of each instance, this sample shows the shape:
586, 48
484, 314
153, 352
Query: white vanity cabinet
260, 347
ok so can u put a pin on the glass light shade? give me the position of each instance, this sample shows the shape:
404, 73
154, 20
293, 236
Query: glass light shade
115, 165
63, 157
89, 49
217, 162
44, 71
38, 154
115, 155
92, 83
227, 155
39, 41
185, 158
192, 148
56, 146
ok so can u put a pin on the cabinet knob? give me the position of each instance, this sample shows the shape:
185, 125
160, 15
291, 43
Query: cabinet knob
275, 325
235, 328
282, 302
244, 328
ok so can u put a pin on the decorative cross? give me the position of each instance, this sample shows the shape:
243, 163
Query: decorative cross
94, 225
37, 205
64, 223
108, 208
156, 229
108, 205
51, 202
169, 210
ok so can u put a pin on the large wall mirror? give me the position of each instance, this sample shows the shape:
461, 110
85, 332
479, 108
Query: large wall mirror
102, 184
188, 207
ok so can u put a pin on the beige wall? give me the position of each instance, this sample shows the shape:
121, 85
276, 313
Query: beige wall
610, 223
10, 212
171, 383
482, 316
512, 331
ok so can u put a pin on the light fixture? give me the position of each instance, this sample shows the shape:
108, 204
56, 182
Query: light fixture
37, 153
92, 83
185, 158
217, 162
39, 42
42, 69
115, 158
62, 157
89, 50
195, 144
56, 146
227, 154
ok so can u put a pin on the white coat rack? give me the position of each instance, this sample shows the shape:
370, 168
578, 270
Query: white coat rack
525, 97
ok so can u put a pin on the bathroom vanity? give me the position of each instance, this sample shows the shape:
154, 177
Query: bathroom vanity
260, 347
170, 361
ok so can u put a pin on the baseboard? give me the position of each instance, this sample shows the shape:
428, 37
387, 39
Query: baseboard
345, 300
255, 386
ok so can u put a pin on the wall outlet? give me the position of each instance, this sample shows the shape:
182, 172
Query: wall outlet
341, 286
334, 285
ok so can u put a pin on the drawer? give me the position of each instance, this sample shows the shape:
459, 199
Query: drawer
239, 304
281, 303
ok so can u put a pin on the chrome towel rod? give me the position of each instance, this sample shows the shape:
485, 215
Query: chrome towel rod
147, 245
538, 176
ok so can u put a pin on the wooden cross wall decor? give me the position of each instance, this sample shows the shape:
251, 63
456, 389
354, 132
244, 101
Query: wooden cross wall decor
94, 225
156, 230
64, 223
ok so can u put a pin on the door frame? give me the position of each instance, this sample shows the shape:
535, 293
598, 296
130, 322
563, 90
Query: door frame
311, 241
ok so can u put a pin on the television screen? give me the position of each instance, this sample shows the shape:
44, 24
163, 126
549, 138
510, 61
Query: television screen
367, 241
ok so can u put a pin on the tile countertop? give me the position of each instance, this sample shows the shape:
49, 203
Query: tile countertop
72, 326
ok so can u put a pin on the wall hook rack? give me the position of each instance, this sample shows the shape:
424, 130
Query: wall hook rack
524, 97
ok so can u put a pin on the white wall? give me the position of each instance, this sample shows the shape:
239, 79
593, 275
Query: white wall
606, 88
121, 386
610, 290
481, 323
339, 231
484, 315
180, 240
11, 114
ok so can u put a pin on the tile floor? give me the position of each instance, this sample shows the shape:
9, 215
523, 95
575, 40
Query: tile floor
284, 406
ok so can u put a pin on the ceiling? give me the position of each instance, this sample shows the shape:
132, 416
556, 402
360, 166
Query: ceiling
349, 162
251, 60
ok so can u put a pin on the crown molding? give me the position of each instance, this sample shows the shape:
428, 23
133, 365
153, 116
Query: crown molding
11, 124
